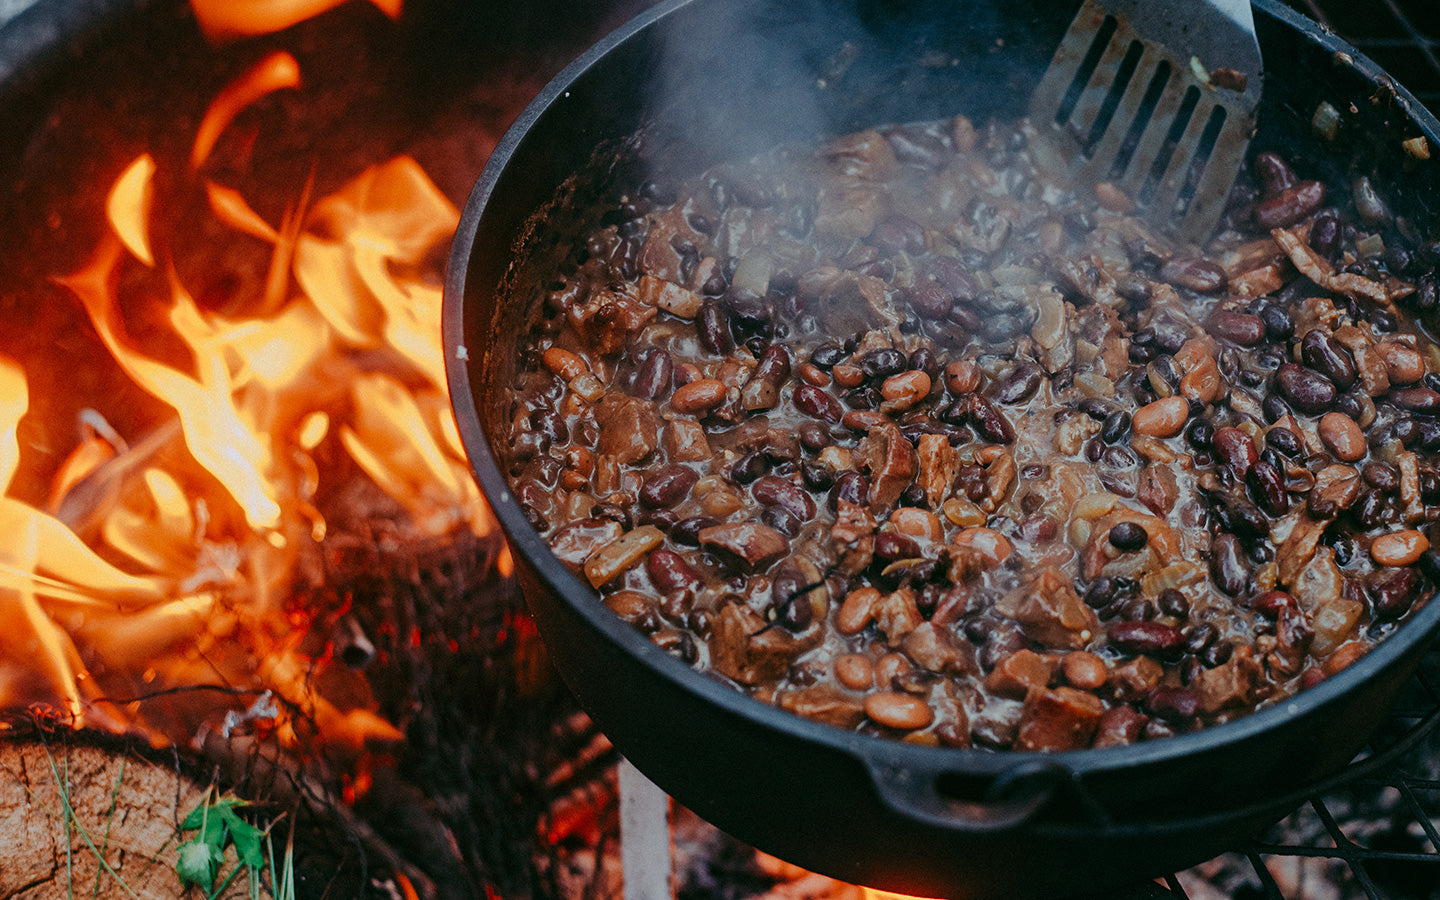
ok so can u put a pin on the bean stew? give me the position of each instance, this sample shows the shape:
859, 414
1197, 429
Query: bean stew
901, 435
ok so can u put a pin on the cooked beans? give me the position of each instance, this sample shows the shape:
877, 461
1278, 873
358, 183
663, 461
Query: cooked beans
991, 471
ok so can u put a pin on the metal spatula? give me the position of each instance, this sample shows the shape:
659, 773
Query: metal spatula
1158, 98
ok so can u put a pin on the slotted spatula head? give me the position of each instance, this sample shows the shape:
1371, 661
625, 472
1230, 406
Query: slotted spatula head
1157, 98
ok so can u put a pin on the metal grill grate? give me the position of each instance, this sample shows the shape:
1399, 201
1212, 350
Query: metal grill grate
1375, 834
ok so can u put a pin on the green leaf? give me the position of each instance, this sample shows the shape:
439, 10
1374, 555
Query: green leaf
198, 863
247, 840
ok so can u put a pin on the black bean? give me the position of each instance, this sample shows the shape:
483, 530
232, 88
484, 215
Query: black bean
827, 355
1372, 509
550, 424
816, 476
1201, 636
896, 234
1429, 564
881, 364
687, 531
1200, 434
1217, 654
1275, 174
1283, 440
1102, 592
1128, 536
1309, 391
1097, 408
1119, 458
1115, 427
1275, 408
1174, 603
1324, 354
1381, 475
923, 360
1094, 449
1325, 235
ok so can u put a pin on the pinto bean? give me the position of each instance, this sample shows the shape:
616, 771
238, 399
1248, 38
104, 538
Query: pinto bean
698, 396
1342, 436
855, 671
1403, 364
857, 610
1399, 548
564, 363
1161, 419
962, 377
902, 391
900, 711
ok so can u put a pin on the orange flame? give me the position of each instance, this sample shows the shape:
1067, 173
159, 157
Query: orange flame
163, 561
224, 19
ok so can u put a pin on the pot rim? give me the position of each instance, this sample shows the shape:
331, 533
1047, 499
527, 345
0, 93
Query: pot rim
528, 544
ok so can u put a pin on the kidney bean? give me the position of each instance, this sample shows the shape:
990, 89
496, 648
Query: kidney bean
713, 327
818, 404
1145, 637
1324, 354
1267, 486
668, 486
669, 571
655, 375
1161, 419
1272, 603
750, 467
1227, 564
1195, 273
1393, 592
1309, 391
1399, 548
772, 490
1201, 636
1241, 328
929, 300
780, 519
989, 422
1421, 400
1290, 205
1275, 174
1236, 450
850, 486
1018, 385
1176, 705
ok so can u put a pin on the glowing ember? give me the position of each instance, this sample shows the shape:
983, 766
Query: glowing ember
163, 560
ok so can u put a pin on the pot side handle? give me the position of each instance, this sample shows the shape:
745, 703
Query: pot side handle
967, 802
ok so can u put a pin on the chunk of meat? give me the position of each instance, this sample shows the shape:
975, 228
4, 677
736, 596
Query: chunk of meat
685, 440
574, 543
897, 615
1061, 718
752, 545
1051, 612
1162, 546
745, 649
629, 427
824, 703
1018, 674
1136, 678
939, 650
891, 461
938, 463
853, 536
1230, 685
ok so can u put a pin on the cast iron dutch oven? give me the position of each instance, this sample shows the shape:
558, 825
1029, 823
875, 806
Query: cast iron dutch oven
715, 79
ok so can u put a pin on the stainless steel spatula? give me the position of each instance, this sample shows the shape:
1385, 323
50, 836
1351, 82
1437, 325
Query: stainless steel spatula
1158, 98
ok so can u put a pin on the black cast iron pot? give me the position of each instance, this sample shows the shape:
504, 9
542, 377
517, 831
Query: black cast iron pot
712, 80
